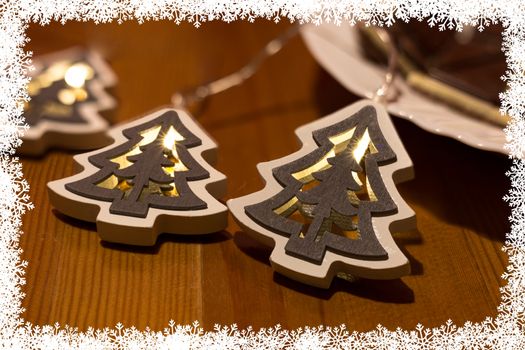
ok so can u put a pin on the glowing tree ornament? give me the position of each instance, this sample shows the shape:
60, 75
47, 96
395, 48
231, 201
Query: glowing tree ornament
153, 179
330, 208
67, 91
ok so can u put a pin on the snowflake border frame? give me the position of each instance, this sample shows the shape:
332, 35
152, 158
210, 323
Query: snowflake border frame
504, 331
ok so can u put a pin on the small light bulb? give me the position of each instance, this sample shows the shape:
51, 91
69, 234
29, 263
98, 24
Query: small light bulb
77, 74
362, 146
66, 96
80, 94
171, 137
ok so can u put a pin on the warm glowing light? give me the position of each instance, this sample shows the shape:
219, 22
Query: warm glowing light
171, 137
286, 206
110, 182
56, 71
306, 174
80, 94
173, 192
371, 193
341, 140
148, 136
77, 74
66, 96
361, 147
177, 164
123, 161
356, 178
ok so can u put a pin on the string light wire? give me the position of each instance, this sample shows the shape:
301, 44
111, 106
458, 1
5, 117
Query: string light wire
201, 92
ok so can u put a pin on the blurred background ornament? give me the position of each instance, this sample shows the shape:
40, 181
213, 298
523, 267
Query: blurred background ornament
68, 93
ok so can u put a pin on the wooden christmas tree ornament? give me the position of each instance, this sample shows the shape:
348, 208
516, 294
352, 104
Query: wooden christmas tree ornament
67, 91
329, 209
154, 178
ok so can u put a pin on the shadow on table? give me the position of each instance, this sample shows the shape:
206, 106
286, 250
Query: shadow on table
461, 185
406, 239
163, 238
80, 224
388, 291
211, 238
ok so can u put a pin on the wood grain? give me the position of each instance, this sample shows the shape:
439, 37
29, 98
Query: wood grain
225, 278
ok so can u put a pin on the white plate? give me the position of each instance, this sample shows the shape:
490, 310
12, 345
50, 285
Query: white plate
337, 50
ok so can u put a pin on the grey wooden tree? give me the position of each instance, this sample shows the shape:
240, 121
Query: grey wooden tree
331, 206
147, 179
328, 203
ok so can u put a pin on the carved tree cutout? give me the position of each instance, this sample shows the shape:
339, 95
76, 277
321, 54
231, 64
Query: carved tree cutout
154, 170
333, 199
326, 198
67, 91
146, 165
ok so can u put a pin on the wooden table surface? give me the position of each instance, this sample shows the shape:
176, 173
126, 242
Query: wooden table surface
74, 278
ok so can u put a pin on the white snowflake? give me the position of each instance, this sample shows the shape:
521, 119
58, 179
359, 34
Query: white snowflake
505, 331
